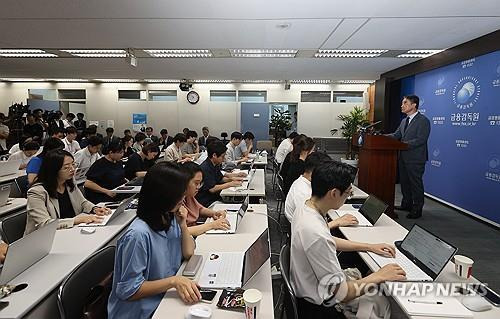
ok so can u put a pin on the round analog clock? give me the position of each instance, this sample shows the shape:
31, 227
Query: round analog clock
193, 97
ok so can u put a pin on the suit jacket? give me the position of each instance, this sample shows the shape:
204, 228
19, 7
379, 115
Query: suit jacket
41, 208
106, 140
416, 136
202, 140
165, 144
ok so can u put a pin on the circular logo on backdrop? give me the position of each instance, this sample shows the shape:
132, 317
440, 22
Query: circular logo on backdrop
494, 163
466, 92
436, 152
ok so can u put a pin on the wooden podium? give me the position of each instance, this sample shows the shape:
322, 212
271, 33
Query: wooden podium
377, 165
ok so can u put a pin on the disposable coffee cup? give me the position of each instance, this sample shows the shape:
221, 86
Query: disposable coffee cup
252, 298
463, 266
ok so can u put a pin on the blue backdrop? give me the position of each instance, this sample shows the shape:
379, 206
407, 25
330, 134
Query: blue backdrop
462, 101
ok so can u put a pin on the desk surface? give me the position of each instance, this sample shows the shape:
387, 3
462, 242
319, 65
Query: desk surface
252, 225
257, 187
70, 248
386, 230
262, 161
357, 193
12, 177
12, 205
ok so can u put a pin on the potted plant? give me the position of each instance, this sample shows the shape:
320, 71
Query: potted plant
356, 118
280, 122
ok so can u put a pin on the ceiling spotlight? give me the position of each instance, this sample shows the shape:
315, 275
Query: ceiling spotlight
185, 85
287, 85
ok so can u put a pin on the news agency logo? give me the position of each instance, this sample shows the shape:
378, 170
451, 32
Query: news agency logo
494, 163
435, 161
466, 92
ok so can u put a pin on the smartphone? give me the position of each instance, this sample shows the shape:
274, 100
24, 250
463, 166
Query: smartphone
482, 290
207, 295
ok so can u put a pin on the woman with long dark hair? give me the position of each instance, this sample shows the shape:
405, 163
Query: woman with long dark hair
55, 196
294, 163
151, 250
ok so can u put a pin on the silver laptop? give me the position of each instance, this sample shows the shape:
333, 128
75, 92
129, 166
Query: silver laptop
9, 167
421, 254
81, 172
369, 213
26, 251
114, 213
234, 269
4, 194
234, 219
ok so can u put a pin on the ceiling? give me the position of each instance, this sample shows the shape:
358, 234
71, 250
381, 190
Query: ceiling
228, 24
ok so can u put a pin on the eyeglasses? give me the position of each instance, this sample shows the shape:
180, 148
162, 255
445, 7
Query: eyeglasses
69, 167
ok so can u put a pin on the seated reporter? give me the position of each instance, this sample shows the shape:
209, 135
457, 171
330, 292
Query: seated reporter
151, 250
106, 174
33, 167
137, 164
55, 196
195, 209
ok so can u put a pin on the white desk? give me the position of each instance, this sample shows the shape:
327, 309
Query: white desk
12, 177
257, 187
386, 230
12, 205
70, 249
132, 190
261, 162
248, 231
358, 193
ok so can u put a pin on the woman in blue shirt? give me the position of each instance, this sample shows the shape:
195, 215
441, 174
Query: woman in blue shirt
52, 143
151, 250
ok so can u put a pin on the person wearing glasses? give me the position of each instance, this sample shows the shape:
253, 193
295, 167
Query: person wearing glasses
55, 196
195, 209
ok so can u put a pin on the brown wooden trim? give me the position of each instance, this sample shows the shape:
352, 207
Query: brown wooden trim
482, 45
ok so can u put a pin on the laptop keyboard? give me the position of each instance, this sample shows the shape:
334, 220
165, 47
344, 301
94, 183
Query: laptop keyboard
413, 272
229, 269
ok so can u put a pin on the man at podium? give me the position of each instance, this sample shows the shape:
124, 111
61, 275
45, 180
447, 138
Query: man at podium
414, 130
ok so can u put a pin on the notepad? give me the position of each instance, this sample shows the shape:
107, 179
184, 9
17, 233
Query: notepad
450, 307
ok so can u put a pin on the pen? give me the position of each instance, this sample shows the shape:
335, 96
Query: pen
430, 302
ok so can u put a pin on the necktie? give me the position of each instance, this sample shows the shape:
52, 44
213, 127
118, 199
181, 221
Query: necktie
407, 122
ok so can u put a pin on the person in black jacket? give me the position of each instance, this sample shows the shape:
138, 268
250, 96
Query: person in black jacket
294, 163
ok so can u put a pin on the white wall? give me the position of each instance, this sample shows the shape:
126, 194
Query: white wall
314, 119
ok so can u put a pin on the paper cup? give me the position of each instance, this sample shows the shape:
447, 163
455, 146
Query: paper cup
463, 266
252, 298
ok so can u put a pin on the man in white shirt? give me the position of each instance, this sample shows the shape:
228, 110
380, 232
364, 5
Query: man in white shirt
316, 276
70, 143
30, 149
90, 154
246, 146
230, 157
284, 148
4, 133
69, 120
300, 191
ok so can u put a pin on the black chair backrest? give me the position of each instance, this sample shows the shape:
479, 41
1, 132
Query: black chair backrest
85, 282
280, 181
290, 302
13, 226
22, 185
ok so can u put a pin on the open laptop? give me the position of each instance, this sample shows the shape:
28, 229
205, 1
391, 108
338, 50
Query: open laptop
421, 254
26, 251
137, 181
234, 218
4, 194
81, 172
9, 167
234, 269
369, 213
245, 184
116, 212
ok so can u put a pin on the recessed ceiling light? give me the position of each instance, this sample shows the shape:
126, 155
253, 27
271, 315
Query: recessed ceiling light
311, 81
263, 53
97, 53
419, 53
25, 53
213, 81
117, 80
21, 80
349, 53
259, 81
180, 53
161, 81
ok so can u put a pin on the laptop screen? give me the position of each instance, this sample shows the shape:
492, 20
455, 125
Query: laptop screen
373, 208
256, 256
429, 250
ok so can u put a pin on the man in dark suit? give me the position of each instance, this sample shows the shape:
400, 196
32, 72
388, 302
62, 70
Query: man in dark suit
414, 130
108, 139
149, 134
205, 137
165, 139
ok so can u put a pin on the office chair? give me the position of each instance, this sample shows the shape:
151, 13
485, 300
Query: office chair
224, 137
280, 198
85, 292
13, 226
21, 186
289, 301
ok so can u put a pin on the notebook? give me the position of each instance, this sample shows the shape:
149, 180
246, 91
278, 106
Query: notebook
451, 307
369, 213
114, 213
234, 218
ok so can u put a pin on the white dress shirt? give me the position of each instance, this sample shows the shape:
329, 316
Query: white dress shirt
72, 146
20, 156
284, 148
83, 158
299, 192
